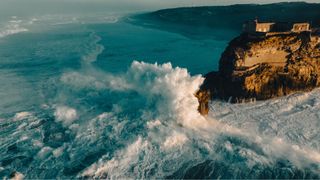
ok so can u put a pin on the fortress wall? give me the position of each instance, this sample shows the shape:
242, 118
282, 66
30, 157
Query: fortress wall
264, 27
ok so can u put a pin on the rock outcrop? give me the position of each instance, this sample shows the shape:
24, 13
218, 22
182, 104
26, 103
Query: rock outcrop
264, 67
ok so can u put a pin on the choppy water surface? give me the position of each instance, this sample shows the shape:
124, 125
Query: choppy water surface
93, 96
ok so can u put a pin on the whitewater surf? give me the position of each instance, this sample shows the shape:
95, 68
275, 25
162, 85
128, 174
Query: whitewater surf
93, 96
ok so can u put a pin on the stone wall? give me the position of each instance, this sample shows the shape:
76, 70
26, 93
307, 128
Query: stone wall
300, 27
264, 27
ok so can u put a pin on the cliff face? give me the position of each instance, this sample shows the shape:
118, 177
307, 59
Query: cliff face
264, 67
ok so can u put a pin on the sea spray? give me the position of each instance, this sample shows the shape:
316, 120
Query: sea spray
148, 126
168, 94
95, 118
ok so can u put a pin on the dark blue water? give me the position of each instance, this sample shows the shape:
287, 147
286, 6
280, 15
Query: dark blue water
94, 96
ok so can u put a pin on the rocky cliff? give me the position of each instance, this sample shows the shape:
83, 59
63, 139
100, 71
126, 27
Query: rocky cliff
263, 67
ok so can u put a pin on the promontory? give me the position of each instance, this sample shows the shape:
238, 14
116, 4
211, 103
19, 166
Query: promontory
276, 52
269, 59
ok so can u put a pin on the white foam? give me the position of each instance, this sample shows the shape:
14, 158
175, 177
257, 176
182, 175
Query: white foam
66, 115
111, 19
156, 124
32, 21
58, 152
44, 152
96, 50
12, 27
37, 143
170, 93
22, 115
152, 124
82, 81
175, 86
174, 89
285, 128
175, 140
120, 163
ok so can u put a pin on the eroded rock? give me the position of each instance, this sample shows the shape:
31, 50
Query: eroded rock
264, 67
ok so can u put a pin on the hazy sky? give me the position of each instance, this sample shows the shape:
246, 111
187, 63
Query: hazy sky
87, 6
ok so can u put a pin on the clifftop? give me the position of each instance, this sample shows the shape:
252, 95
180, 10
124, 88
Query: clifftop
263, 67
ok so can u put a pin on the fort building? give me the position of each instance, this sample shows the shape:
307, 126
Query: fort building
273, 27
298, 27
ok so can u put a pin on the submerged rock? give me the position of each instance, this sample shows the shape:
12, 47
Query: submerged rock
262, 67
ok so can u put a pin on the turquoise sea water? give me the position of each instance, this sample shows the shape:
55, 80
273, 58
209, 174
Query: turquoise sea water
49, 49
95, 96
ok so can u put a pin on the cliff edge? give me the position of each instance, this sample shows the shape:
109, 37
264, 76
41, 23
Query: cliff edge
264, 67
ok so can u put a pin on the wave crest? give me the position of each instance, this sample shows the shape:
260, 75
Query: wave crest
14, 26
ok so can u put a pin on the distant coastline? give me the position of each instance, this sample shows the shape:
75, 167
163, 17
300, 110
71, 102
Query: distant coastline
199, 22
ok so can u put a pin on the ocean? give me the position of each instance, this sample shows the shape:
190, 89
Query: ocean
95, 96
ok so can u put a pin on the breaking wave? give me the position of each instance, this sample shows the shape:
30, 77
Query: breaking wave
169, 138
14, 26
144, 123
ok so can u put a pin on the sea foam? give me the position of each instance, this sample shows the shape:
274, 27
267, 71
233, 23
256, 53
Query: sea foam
149, 127
182, 135
66, 115
14, 26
